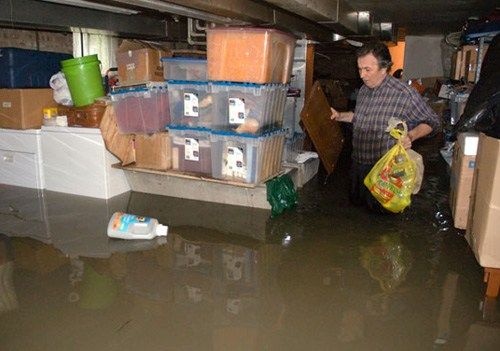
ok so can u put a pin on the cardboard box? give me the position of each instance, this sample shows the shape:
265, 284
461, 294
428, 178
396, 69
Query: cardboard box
484, 217
153, 151
23, 108
120, 145
139, 62
456, 66
462, 172
465, 62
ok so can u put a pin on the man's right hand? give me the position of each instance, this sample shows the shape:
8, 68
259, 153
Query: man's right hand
335, 114
341, 116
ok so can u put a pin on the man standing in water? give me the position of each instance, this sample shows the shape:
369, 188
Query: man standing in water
381, 97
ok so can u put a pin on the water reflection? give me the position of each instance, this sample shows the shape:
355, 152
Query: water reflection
333, 279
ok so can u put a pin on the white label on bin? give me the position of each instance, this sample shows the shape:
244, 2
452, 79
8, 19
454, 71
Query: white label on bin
190, 105
235, 166
130, 66
236, 111
191, 149
6, 104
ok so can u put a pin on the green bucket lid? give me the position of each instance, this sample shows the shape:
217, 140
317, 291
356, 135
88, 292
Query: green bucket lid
79, 61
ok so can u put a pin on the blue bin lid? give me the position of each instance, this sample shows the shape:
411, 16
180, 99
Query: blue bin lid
190, 82
191, 59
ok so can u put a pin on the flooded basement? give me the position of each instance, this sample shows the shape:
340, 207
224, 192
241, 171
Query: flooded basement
323, 276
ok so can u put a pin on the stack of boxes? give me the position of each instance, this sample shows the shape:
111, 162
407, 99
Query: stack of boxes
141, 103
227, 123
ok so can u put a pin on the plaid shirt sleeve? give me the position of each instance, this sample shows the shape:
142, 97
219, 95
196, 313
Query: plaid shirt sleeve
420, 112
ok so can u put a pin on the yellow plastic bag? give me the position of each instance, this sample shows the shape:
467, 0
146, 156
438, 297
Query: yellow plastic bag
392, 179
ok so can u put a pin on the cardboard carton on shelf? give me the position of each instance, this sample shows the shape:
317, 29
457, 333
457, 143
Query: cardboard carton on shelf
23, 108
140, 62
120, 145
153, 151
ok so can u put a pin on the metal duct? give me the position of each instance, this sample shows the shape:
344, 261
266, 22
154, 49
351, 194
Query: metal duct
334, 14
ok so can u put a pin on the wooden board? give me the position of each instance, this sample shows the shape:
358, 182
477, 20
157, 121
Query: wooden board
325, 134
178, 174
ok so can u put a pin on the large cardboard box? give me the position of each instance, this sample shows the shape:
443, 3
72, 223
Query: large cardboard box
139, 62
23, 108
484, 219
462, 172
153, 151
120, 145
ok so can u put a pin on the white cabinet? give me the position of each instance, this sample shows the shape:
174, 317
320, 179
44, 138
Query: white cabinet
21, 158
76, 162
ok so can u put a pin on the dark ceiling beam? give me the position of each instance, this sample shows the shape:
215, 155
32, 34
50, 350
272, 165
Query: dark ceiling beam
43, 15
251, 12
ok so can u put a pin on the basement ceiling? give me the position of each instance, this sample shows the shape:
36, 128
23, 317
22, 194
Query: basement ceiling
315, 19
426, 16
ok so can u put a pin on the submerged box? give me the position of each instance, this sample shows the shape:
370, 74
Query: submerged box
184, 68
255, 55
484, 217
247, 107
23, 68
191, 103
246, 158
191, 150
142, 109
462, 172
23, 108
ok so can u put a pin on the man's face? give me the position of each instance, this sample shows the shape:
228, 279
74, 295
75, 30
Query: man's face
369, 71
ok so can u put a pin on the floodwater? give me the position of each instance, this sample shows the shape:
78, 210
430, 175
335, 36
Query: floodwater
323, 276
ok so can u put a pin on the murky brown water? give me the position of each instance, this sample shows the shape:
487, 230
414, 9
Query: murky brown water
325, 276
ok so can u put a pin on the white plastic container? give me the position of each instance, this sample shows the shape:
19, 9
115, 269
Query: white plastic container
191, 103
248, 107
184, 68
128, 226
246, 158
142, 109
191, 150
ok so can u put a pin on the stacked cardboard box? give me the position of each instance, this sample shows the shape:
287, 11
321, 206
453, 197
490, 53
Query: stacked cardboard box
464, 62
133, 128
462, 172
484, 216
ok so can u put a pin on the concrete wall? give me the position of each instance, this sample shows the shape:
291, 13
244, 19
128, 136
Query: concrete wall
36, 40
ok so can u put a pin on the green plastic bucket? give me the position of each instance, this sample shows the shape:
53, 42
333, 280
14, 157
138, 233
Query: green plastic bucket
83, 75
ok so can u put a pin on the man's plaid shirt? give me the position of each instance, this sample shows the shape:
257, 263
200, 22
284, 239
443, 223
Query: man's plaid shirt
374, 108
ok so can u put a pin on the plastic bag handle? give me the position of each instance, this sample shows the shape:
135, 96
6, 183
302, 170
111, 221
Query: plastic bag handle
397, 133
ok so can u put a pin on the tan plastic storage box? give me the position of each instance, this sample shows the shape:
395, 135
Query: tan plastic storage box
253, 55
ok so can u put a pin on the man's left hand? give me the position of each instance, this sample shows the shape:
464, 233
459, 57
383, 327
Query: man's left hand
406, 142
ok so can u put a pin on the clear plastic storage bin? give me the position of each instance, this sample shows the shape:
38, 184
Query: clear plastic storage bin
256, 55
191, 150
191, 103
184, 68
248, 108
246, 158
141, 109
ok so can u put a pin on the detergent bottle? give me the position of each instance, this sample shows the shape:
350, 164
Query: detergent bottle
128, 226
